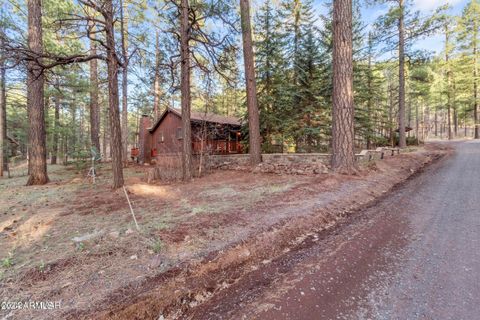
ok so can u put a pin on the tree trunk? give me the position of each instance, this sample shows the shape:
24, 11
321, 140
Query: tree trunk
124, 35
94, 107
65, 149
401, 77
424, 134
343, 157
57, 128
252, 105
475, 87
106, 116
113, 100
417, 124
449, 91
370, 93
185, 89
73, 125
454, 106
390, 115
37, 164
3, 115
156, 82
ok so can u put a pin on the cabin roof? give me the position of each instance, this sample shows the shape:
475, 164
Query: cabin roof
198, 117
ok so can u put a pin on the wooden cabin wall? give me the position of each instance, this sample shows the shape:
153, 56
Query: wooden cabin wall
168, 127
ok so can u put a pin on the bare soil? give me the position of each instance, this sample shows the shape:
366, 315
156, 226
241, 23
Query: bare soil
75, 242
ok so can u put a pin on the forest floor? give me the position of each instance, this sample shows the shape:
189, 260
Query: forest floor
75, 243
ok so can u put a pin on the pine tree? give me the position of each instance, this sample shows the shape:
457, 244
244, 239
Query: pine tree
272, 85
312, 111
37, 164
469, 37
343, 153
252, 105
392, 29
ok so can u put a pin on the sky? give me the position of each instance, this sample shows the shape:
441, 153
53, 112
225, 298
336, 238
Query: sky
433, 43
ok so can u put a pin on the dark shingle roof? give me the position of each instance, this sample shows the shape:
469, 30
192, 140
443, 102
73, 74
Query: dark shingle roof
209, 117
200, 116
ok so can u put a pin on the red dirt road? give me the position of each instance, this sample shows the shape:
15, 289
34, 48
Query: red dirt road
414, 255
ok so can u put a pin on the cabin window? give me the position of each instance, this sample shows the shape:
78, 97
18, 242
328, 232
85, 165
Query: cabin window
160, 137
179, 133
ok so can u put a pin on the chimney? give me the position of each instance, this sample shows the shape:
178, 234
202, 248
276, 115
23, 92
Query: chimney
144, 140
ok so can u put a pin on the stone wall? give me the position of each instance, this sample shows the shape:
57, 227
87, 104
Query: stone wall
169, 166
230, 162
291, 163
299, 163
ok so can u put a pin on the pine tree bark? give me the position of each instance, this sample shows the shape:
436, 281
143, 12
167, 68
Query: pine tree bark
94, 106
343, 157
73, 124
251, 86
454, 106
475, 85
113, 99
105, 133
3, 115
370, 93
37, 163
417, 123
402, 142
185, 90
390, 114
57, 128
449, 91
156, 82
124, 38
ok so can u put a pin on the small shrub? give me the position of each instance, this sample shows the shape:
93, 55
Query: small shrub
42, 266
161, 225
198, 210
156, 245
7, 262
80, 246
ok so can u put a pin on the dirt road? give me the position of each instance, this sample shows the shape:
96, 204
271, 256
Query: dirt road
414, 255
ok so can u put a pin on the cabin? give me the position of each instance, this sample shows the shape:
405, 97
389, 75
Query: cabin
211, 133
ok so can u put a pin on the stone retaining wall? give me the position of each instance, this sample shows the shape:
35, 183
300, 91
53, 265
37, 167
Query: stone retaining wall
168, 167
291, 163
299, 163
